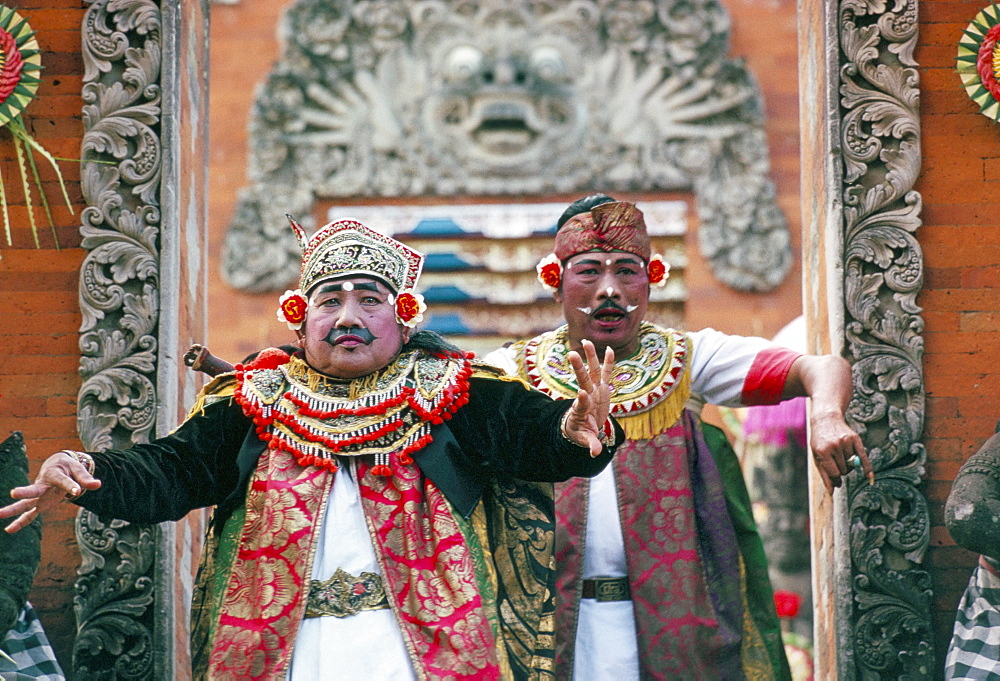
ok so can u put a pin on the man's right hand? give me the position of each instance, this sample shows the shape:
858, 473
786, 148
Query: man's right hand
61, 477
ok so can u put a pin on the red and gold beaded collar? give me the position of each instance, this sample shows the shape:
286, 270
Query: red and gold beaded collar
387, 414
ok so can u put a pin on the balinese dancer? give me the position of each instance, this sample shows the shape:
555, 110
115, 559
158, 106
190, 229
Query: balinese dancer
661, 573
373, 519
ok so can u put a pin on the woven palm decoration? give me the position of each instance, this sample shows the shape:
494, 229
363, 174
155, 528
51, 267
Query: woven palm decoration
20, 76
979, 61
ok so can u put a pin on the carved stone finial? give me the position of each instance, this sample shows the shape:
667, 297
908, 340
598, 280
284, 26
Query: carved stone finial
974, 502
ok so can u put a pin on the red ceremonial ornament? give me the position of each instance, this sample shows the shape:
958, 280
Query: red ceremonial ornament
454, 398
269, 358
550, 272
978, 61
10, 73
787, 603
409, 308
985, 62
657, 270
20, 68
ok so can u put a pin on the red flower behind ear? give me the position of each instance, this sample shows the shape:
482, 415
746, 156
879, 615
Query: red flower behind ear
410, 308
292, 307
658, 270
550, 272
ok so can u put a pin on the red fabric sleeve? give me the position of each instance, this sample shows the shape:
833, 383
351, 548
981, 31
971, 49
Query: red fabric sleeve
765, 382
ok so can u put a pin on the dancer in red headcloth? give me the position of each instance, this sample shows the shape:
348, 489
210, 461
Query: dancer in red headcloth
659, 564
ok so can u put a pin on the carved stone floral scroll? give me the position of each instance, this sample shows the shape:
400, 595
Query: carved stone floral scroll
119, 300
888, 523
508, 97
143, 94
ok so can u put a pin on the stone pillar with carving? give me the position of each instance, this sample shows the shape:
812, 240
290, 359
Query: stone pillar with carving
863, 271
142, 284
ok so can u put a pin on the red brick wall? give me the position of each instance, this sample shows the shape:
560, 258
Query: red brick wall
961, 244
764, 34
39, 309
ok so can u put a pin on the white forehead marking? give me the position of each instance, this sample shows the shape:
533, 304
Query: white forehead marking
348, 286
608, 262
585, 310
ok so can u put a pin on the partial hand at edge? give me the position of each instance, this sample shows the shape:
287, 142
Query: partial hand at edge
833, 443
585, 421
61, 477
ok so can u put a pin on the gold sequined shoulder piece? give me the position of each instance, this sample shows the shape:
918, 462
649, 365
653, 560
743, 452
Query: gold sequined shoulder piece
638, 383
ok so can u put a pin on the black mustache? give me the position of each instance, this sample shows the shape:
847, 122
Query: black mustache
337, 333
609, 305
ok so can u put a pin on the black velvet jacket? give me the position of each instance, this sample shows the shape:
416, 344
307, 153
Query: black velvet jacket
506, 430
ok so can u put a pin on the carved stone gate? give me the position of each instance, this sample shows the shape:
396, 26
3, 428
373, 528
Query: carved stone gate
144, 116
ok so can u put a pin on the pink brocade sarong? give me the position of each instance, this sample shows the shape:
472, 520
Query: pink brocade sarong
683, 560
426, 563
429, 575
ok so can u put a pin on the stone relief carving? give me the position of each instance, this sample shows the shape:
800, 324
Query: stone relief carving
448, 97
119, 300
883, 273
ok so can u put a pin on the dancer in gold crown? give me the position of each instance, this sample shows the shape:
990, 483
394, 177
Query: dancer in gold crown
372, 517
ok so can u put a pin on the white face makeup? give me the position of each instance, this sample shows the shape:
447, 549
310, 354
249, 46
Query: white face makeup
348, 286
631, 308
585, 310
610, 291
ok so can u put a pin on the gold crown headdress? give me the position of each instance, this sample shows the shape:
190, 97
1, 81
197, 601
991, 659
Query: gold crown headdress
345, 248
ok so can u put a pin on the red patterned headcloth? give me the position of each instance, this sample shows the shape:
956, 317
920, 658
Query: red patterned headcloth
616, 226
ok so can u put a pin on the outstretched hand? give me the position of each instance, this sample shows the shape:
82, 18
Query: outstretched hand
585, 420
61, 477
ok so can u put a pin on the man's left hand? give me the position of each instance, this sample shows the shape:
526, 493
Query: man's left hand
585, 421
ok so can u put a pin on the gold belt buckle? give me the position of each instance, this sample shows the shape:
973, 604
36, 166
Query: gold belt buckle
608, 589
344, 595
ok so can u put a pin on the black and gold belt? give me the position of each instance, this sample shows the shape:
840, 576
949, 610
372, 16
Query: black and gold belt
607, 589
344, 595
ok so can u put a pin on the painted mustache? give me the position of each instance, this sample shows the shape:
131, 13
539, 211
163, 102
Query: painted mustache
339, 335
607, 304
610, 305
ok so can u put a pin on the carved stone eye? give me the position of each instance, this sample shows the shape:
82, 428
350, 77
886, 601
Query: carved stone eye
547, 63
464, 63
